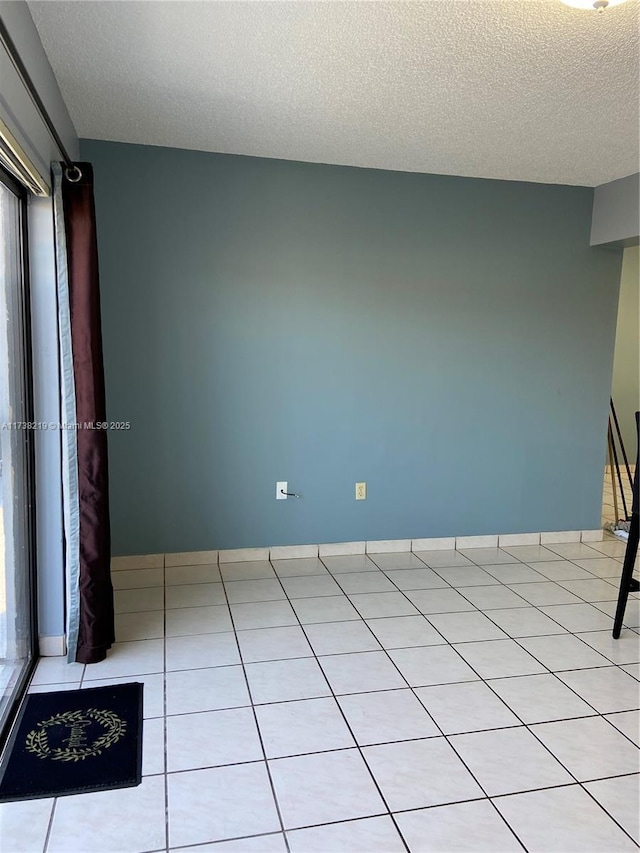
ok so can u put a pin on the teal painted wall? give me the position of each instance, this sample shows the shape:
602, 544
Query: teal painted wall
447, 340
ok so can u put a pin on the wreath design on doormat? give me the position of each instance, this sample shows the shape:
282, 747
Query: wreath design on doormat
37, 741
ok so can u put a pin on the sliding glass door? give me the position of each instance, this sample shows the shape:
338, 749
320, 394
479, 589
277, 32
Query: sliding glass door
17, 594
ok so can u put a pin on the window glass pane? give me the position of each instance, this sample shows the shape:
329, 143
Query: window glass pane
15, 581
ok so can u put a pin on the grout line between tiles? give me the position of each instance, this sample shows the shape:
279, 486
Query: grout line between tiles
255, 720
164, 707
50, 825
351, 732
203, 844
604, 809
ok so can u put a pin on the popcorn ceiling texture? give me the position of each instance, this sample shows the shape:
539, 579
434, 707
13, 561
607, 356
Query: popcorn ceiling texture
520, 89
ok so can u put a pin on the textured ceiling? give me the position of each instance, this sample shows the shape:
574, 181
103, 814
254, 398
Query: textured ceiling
517, 89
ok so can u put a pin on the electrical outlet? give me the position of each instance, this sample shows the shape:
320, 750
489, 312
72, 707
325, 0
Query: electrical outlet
361, 491
281, 489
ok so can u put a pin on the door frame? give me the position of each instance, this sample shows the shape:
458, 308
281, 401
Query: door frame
30, 483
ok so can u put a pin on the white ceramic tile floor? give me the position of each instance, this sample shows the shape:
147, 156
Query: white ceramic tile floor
563, 820
540, 698
224, 737
404, 772
335, 608
499, 658
352, 582
262, 644
140, 626
198, 620
392, 707
377, 604
530, 553
465, 576
296, 728
607, 690
626, 649
93, 821
466, 707
194, 595
589, 747
544, 593
505, 761
560, 570
618, 796
529, 622
488, 556
439, 600
24, 826
349, 563
579, 617
627, 722
325, 787
245, 571
368, 835
386, 716
137, 600
603, 567
201, 651
263, 614
416, 579
466, 627
633, 669
398, 632
519, 573
632, 613
299, 567
496, 597
178, 575
447, 829
429, 665
400, 560
361, 672
138, 578
311, 586
442, 559
563, 652
332, 638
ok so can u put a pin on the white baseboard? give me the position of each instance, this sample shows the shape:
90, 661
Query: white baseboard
386, 546
592, 535
339, 549
509, 540
560, 537
293, 552
191, 558
476, 542
52, 647
243, 555
140, 561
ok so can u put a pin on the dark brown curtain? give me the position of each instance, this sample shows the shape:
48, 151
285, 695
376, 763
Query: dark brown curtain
96, 619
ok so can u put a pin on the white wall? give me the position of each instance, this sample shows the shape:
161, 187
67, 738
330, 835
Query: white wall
626, 365
616, 212
17, 109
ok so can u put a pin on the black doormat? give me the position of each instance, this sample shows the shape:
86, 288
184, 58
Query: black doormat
74, 741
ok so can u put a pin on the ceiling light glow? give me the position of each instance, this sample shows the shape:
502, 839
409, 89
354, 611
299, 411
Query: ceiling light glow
593, 5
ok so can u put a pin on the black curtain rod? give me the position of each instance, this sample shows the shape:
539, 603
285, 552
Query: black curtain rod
30, 87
